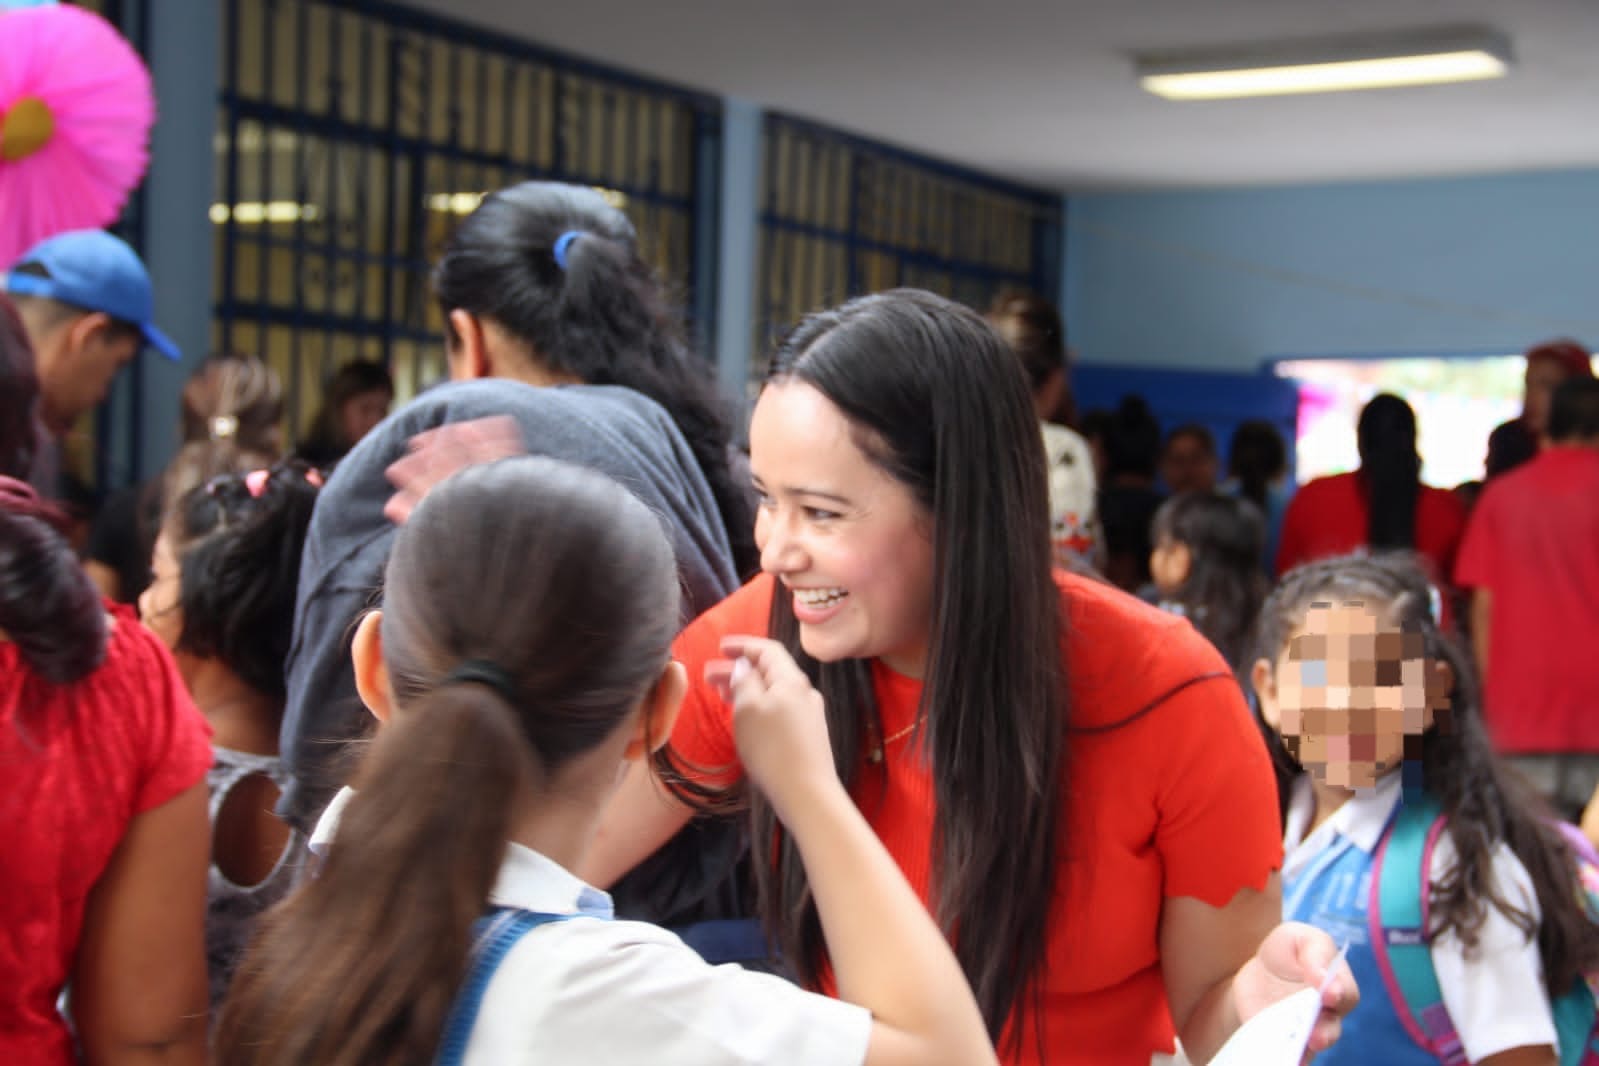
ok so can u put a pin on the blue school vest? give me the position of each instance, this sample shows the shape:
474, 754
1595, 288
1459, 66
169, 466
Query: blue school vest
1332, 894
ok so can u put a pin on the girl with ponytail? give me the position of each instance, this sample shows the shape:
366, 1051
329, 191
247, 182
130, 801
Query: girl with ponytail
508, 721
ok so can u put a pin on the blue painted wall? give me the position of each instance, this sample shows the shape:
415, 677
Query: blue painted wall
1224, 279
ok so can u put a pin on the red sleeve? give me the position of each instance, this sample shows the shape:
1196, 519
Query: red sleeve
1289, 548
1217, 796
173, 737
1474, 563
703, 736
1450, 526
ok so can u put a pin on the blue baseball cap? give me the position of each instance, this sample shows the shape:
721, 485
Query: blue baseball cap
92, 270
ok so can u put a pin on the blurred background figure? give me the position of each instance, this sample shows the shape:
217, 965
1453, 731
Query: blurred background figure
357, 399
1188, 461
1257, 470
1382, 506
1032, 327
231, 415
1206, 566
1128, 498
1548, 364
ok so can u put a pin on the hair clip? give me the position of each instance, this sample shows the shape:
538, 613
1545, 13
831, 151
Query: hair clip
256, 482
562, 243
223, 426
1434, 603
314, 476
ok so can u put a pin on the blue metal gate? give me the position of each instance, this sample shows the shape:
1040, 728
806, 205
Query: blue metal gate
354, 134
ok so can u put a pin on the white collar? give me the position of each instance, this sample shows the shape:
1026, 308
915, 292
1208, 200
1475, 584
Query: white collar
527, 879
1361, 820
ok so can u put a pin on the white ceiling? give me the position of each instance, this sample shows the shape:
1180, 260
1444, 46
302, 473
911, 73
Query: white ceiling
1042, 90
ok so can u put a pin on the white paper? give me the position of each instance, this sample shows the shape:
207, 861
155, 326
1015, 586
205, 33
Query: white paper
1277, 1036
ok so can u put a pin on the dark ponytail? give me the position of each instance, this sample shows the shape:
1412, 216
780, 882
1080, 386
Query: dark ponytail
598, 315
48, 606
363, 964
1390, 471
1256, 456
419, 847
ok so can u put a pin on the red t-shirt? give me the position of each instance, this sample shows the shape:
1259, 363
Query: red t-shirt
80, 761
1328, 517
1533, 543
1177, 800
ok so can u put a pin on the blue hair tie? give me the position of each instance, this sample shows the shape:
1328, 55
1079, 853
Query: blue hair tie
562, 243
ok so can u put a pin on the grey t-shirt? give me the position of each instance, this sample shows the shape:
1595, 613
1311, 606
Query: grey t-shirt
612, 430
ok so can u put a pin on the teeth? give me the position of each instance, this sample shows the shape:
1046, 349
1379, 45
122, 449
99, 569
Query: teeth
820, 597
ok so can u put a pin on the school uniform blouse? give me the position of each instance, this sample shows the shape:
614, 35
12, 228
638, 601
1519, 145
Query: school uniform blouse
595, 989
1168, 793
1496, 997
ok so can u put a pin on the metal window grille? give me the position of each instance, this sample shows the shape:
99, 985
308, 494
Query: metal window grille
843, 216
353, 135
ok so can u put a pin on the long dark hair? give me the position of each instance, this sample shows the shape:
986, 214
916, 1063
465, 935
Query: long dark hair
363, 964
1390, 471
602, 317
1484, 803
238, 540
1225, 536
1256, 456
48, 606
939, 401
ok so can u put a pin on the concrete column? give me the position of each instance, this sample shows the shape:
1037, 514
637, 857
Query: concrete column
183, 48
737, 267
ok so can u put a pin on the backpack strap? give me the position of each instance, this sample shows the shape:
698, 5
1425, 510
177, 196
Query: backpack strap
1397, 922
496, 934
1576, 1019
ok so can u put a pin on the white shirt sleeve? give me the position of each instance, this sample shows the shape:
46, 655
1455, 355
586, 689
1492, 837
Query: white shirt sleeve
620, 991
1495, 996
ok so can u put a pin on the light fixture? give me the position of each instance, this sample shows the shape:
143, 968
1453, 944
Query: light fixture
464, 203
1340, 64
253, 214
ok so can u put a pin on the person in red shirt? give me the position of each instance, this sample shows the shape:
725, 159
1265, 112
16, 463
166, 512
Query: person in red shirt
1382, 506
1069, 778
1531, 561
104, 850
1548, 364
104, 845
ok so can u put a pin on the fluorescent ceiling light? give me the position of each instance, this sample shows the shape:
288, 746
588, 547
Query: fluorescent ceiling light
464, 203
1334, 65
253, 214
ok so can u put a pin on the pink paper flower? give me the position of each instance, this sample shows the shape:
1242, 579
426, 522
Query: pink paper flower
76, 108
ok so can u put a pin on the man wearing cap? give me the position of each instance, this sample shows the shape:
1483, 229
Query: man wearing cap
85, 303
1548, 364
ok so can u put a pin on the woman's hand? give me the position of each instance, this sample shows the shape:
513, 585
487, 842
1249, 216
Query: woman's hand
1292, 957
779, 722
435, 454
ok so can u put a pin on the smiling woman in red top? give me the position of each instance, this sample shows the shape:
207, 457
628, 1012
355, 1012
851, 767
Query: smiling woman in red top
1068, 778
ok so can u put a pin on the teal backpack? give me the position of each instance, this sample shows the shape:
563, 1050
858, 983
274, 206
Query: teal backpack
1397, 921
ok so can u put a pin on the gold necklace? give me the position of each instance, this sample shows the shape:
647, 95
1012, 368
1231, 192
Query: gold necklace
876, 754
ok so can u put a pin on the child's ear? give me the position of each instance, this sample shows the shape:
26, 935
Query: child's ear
371, 676
1264, 681
658, 712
